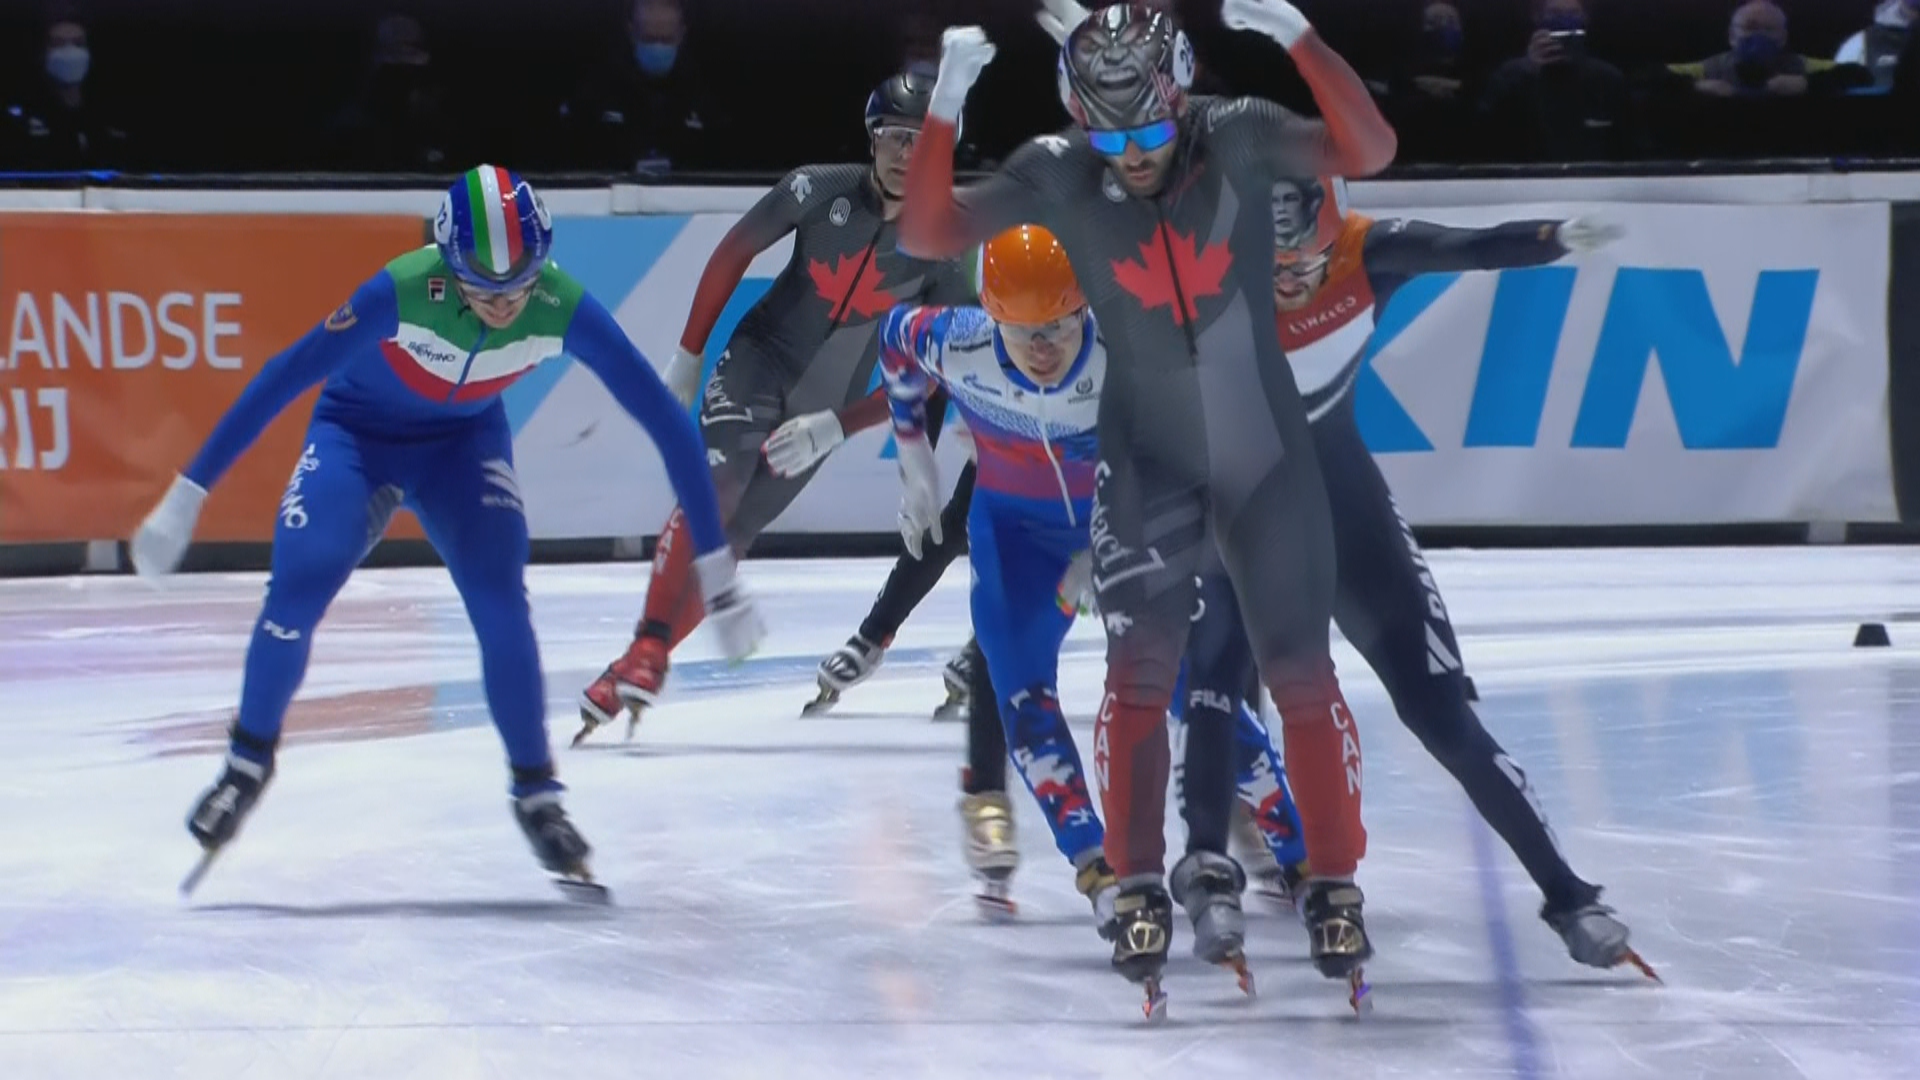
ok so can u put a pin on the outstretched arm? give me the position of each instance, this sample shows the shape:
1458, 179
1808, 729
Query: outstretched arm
910, 364
1352, 137
370, 317
1405, 248
938, 222
599, 343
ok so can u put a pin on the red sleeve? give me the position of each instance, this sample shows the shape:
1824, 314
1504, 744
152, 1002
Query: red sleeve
762, 226
931, 226
1357, 140
869, 411
938, 222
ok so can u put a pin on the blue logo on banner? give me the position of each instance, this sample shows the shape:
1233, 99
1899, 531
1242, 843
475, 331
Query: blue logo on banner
1721, 400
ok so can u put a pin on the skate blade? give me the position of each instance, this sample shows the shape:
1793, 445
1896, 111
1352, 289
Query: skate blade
820, 704
633, 720
1154, 1009
588, 725
950, 714
996, 909
579, 886
1359, 993
1242, 973
1633, 958
199, 871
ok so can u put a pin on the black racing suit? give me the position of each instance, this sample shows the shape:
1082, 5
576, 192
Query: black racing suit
1202, 430
1385, 599
809, 344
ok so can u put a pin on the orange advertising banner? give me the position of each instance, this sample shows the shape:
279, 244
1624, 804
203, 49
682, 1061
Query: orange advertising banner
127, 336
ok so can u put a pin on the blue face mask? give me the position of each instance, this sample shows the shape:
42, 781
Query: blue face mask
1446, 40
655, 57
1563, 20
1756, 49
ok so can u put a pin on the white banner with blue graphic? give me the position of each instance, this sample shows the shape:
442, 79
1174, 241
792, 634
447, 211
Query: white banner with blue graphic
1718, 365
1722, 364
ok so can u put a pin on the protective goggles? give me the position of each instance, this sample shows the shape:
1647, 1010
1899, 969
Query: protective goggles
1148, 137
896, 137
1055, 332
479, 293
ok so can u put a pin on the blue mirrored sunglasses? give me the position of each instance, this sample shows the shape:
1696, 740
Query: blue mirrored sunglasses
1148, 137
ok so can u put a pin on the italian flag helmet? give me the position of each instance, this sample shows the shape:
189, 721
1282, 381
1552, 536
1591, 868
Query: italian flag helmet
493, 231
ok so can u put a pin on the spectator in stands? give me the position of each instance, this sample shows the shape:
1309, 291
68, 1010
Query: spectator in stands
1878, 47
400, 118
1557, 102
1759, 62
648, 110
1432, 95
59, 124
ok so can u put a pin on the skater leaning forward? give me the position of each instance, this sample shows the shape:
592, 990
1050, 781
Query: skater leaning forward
393, 426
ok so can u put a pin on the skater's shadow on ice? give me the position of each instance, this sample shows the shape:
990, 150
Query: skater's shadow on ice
518, 910
869, 750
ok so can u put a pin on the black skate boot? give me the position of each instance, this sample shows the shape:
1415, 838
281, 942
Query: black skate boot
1208, 885
1337, 936
1143, 924
217, 817
1593, 936
849, 666
959, 679
558, 845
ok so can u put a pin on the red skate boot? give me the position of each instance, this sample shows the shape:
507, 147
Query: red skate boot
630, 683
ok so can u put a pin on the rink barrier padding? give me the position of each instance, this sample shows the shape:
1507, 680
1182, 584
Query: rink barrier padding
1721, 377
1903, 357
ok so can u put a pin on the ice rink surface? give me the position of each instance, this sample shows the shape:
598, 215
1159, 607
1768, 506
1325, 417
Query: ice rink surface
791, 899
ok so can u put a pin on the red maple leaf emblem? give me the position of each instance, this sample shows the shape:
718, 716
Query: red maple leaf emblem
861, 294
1197, 271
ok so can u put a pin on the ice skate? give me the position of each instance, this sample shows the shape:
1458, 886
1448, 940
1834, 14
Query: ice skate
217, 817
987, 821
1208, 885
629, 684
558, 845
1143, 929
1594, 937
1094, 878
849, 666
1279, 886
1337, 934
958, 677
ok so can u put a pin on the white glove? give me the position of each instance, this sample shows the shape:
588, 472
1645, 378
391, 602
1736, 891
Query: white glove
796, 445
683, 376
163, 537
1076, 585
1277, 19
1583, 235
1060, 18
920, 502
964, 54
730, 610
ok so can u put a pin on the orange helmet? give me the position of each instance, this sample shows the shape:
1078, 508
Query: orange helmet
1025, 278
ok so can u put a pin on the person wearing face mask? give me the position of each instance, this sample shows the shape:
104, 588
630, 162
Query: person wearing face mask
60, 123
413, 367
399, 118
1878, 47
1758, 62
647, 110
1557, 102
1431, 97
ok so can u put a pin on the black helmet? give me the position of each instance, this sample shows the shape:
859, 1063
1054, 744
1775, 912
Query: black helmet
902, 97
1125, 66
